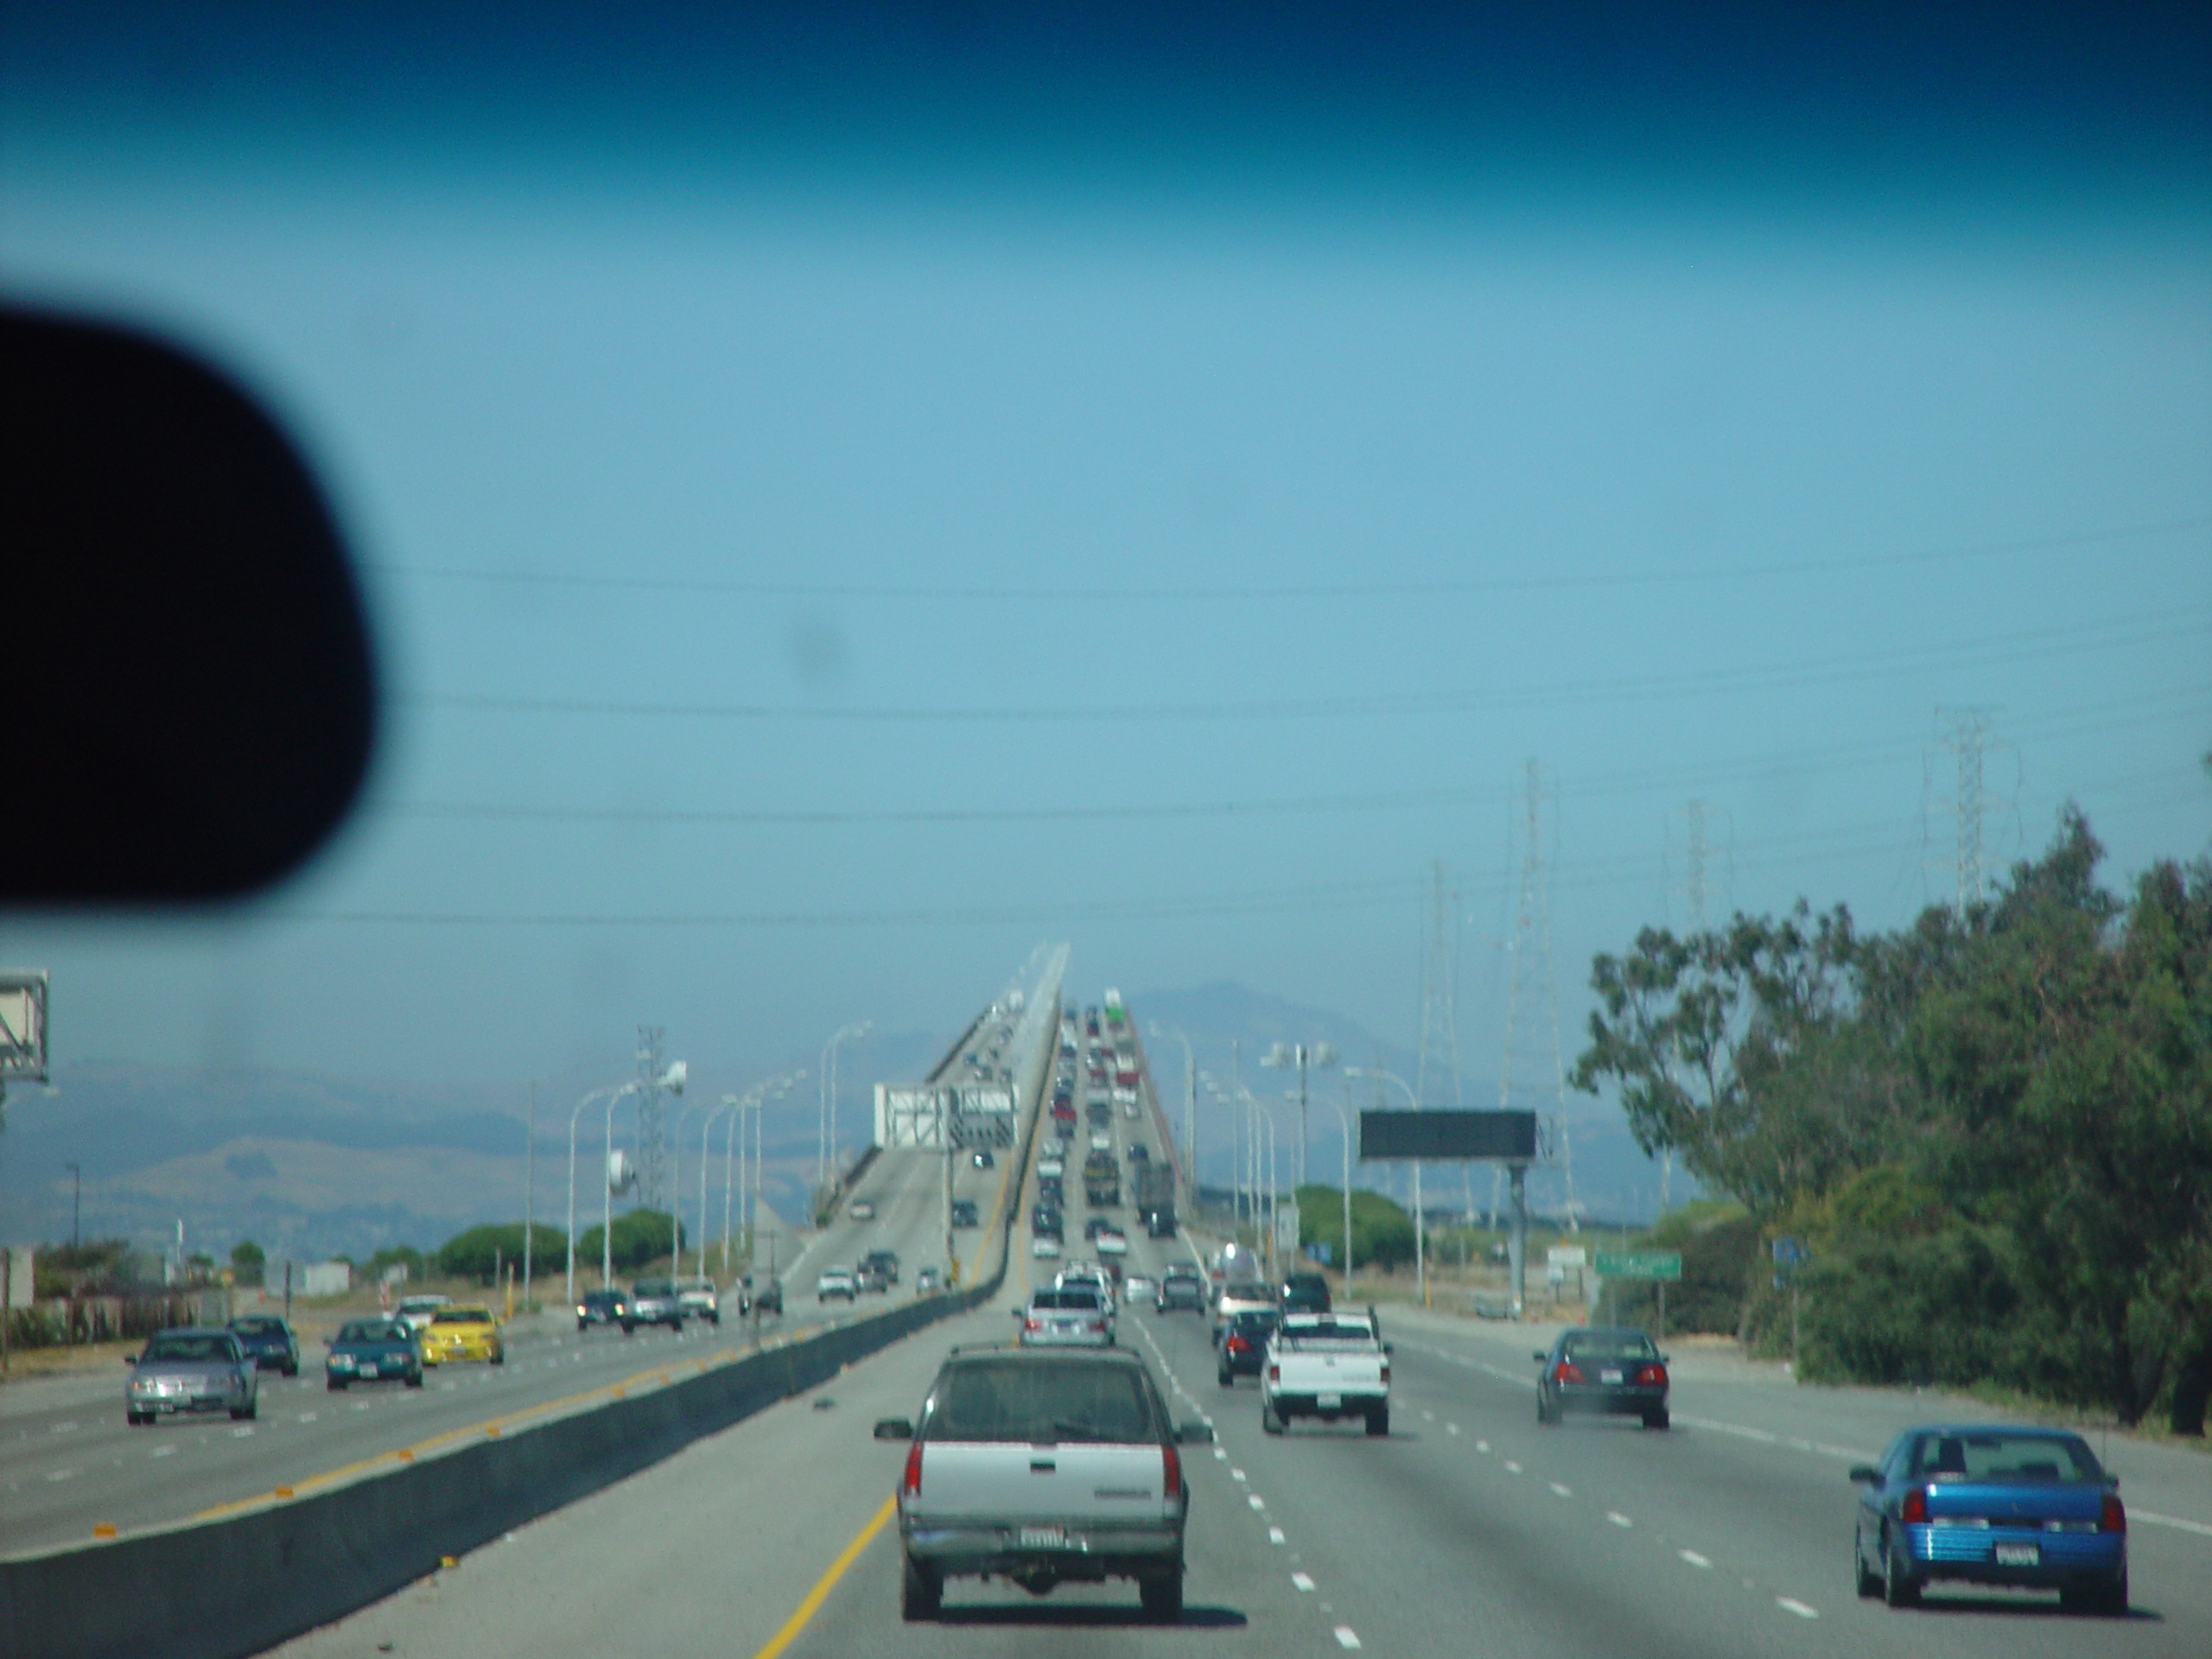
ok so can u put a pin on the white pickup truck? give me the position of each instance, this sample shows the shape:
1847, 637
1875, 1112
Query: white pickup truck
1043, 1466
1325, 1365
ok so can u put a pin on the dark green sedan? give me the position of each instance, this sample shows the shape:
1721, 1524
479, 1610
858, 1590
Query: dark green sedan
374, 1351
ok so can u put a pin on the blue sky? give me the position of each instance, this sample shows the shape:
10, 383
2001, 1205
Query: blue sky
1258, 528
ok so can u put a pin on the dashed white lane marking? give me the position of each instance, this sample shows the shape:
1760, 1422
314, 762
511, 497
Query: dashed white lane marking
63, 1428
241, 1432
1618, 1519
2173, 1521
1427, 1416
1220, 1456
165, 1451
1451, 1429
1236, 1473
1301, 1580
1511, 1467
1253, 1500
1791, 1605
306, 1416
60, 1474
1561, 1491
1346, 1636
1275, 1535
1694, 1559
1483, 1446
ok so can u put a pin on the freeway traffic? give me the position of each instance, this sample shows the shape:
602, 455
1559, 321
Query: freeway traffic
1469, 1529
69, 1464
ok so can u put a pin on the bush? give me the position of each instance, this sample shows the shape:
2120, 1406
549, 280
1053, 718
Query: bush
249, 1262
640, 1237
1925, 1309
1720, 1245
480, 1252
1382, 1232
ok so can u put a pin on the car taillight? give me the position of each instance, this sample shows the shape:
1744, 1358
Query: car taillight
1567, 1371
1654, 1376
2112, 1514
1274, 1373
912, 1484
1237, 1344
1385, 1373
1031, 1322
1171, 1473
1914, 1507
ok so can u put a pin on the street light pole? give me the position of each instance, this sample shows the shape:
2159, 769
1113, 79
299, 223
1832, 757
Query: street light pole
1344, 1121
596, 1094
827, 1126
1316, 1056
1420, 1233
672, 1080
76, 1204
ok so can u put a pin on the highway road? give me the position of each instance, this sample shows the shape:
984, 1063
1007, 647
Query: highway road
69, 1464
1468, 1531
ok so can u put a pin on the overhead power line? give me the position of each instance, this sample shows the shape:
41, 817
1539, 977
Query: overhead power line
2069, 638
1232, 593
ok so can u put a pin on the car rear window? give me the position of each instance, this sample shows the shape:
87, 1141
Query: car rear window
203, 1348
1041, 1404
1074, 1296
1604, 1344
372, 1330
460, 1316
1993, 1455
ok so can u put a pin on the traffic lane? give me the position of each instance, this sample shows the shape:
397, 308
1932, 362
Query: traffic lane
709, 1552
1758, 1541
108, 1473
1824, 1431
1765, 1512
1421, 1554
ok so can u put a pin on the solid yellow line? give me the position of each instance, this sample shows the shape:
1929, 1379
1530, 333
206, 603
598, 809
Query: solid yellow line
807, 1609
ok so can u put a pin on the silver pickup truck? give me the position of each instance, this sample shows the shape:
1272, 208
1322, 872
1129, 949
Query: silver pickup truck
1043, 1466
1325, 1365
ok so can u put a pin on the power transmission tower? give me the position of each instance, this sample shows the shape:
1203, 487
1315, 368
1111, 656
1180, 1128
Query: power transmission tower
650, 1150
1532, 1004
1436, 1070
1969, 737
1696, 892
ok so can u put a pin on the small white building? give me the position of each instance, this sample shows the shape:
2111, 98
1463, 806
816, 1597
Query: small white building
327, 1278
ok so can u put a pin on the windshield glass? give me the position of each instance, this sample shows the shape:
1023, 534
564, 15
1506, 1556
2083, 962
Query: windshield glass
2003, 1459
1608, 1345
462, 1316
189, 1349
1006, 1400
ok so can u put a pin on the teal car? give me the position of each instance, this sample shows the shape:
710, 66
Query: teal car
374, 1350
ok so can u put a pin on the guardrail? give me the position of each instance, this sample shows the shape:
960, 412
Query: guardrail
228, 1588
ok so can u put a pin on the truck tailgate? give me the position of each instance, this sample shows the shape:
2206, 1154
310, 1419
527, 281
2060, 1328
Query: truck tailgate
1073, 1482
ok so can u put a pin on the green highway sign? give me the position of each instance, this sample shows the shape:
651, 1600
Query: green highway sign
1639, 1264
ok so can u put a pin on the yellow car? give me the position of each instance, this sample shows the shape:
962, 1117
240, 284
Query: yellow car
463, 1331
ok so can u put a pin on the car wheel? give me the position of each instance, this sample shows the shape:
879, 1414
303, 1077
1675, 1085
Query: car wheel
1161, 1594
921, 1592
1225, 1378
132, 1418
1869, 1586
336, 1385
1378, 1422
1271, 1418
1655, 1419
1899, 1587
628, 1329
1545, 1415
414, 1379
293, 1370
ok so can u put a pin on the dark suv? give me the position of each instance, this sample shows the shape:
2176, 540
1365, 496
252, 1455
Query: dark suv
1244, 1344
602, 1308
268, 1343
1304, 1293
1180, 1288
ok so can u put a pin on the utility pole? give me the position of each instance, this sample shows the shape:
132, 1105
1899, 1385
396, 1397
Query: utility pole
649, 1117
529, 1196
77, 1209
1697, 892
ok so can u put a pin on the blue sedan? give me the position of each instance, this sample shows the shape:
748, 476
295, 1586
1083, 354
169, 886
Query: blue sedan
370, 1351
1983, 1503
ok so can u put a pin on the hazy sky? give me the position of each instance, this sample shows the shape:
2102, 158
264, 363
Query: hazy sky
816, 557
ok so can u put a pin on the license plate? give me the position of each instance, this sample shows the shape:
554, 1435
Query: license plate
1328, 1401
1043, 1537
1612, 1376
2019, 1554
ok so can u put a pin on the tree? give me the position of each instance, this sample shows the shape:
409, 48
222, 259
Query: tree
249, 1262
481, 1252
641, 1237
1382, 1232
